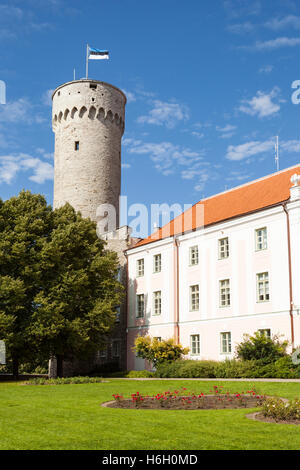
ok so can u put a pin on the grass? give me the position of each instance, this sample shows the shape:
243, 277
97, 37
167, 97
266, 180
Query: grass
70, 417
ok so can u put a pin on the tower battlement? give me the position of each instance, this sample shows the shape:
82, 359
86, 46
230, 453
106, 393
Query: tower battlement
88, 119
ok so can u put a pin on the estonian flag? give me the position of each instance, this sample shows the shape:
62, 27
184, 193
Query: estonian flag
97, 54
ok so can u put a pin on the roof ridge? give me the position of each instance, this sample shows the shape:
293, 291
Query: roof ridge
249, 183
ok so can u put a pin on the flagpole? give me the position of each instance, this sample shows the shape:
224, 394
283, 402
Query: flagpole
87, 60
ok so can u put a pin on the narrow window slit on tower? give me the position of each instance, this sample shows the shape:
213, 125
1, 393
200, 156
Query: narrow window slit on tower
93, 86
77, 145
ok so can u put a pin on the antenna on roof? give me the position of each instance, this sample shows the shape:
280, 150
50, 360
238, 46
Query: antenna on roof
277, 153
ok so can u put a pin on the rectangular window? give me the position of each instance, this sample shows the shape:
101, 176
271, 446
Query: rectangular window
103, 353
116, 347
140, 307
118, 312
77, 145
226, 342
263, 294
93, 86
157, 263
225, 293
195, 345
223, 248
194, 255
266, 332
194, 298
140, 267
261, 239
157, 302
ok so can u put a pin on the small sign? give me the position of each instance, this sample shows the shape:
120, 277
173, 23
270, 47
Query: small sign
2, 353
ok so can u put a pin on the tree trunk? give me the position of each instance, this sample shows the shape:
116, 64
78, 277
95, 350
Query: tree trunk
15, 368
60, 361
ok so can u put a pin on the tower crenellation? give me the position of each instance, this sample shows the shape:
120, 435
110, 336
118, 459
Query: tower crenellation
88, 119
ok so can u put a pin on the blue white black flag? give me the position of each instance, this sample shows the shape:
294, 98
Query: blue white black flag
97, 54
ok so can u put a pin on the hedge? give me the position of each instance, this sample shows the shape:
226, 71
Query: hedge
282, 368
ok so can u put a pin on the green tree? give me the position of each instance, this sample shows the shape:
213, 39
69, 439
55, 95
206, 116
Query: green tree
158, 351
25, 222
58, 284
76, 309
261, 347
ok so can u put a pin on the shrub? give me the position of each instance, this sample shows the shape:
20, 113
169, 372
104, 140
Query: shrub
261, 347
187, 368
132, 374
158, 351
234, 368
279, 410
64, 381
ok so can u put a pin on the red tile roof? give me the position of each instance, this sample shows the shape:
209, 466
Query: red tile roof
250, 197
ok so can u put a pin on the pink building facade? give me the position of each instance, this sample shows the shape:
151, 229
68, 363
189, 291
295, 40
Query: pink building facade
210, 285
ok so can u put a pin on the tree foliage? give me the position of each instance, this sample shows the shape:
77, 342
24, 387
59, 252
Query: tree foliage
58, 284
261, 347
158, 351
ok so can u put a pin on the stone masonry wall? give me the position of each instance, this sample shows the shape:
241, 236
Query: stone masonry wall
91, 113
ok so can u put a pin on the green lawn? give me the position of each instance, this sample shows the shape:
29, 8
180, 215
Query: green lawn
70, 417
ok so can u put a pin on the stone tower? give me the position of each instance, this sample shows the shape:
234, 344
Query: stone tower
88, 121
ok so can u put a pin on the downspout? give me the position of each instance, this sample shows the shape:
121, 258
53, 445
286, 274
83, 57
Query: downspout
290, 273
176, 291
127, 308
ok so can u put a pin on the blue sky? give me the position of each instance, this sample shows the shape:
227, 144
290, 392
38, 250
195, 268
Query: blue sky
208, 87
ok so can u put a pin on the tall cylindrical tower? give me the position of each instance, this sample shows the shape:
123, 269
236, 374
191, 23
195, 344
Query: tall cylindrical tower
88, 121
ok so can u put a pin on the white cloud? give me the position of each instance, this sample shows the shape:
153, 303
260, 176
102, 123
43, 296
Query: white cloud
227, 131
261, 105
289, 21
241, 28
15, 111
130, 96
47, 97
21, 110
252, 148
197, 134
126, 165
275, 44
165, 114
11, 165
266, 69
166, 156
240, 152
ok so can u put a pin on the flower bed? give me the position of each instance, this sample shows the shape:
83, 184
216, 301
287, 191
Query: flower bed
279, 410
183, 399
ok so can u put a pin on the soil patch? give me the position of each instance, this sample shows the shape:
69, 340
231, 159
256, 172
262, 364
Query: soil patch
195, 402
260, 417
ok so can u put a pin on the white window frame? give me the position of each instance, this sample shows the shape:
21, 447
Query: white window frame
261, 239
223, 248
116, 348
193, 255
118, 314
225, 340
265, 331
194, 298
140, 267
265, 281
138, 298
157, 263
103, 353
195, 342
156, 301
224, 293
